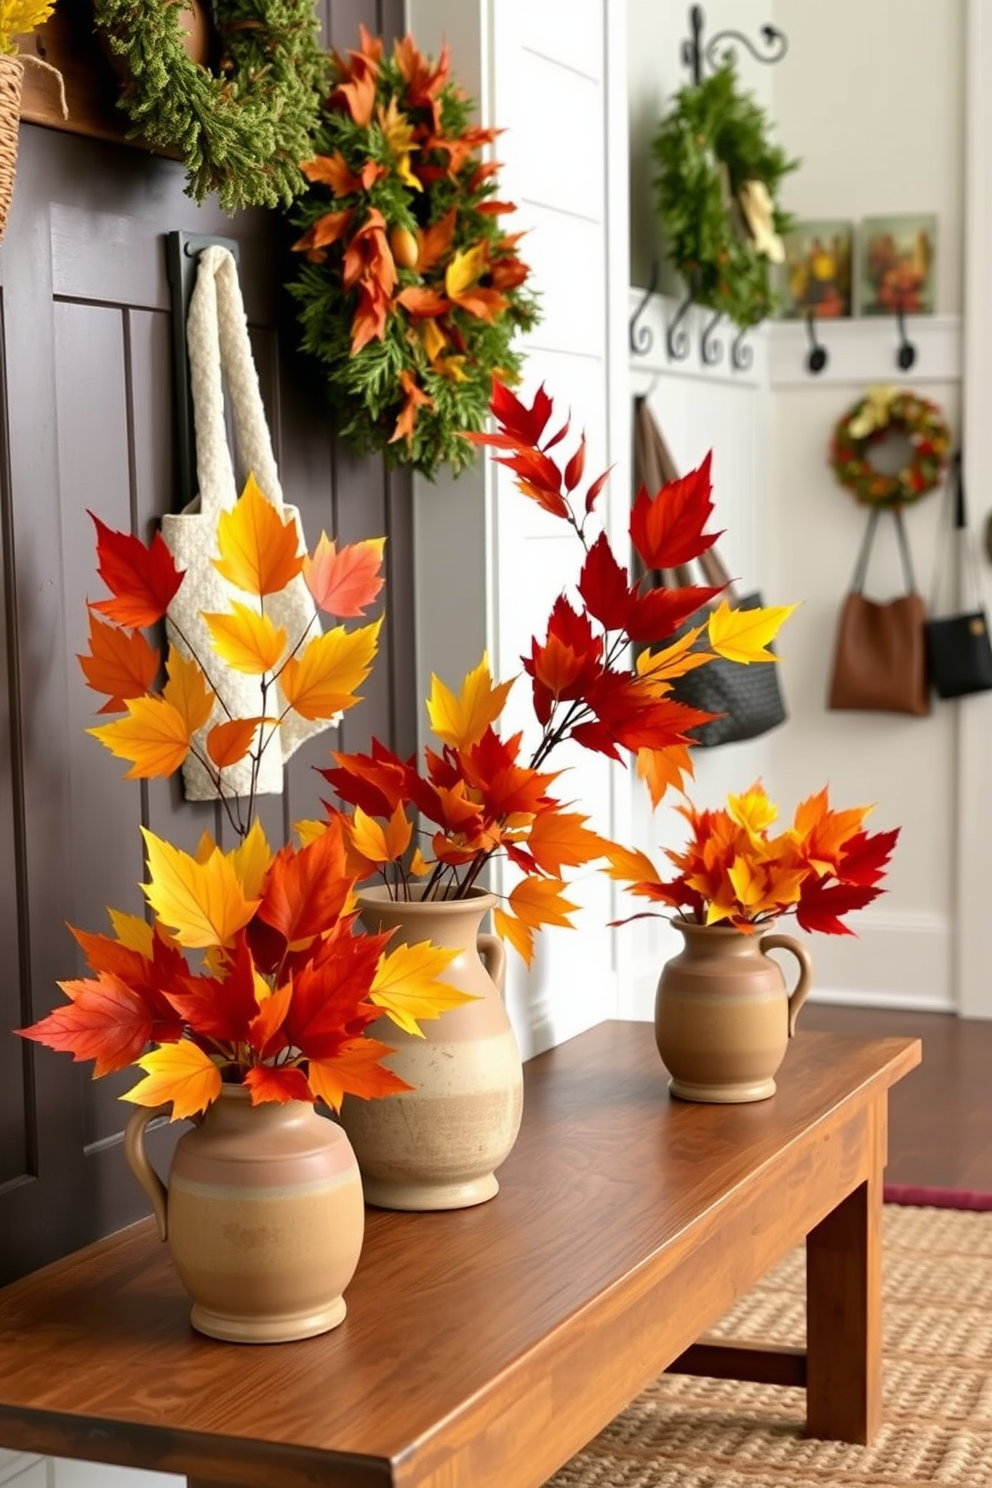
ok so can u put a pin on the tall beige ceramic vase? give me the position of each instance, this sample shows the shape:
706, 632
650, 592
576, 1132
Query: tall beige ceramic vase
723, 1017
264, 1216
439, 1146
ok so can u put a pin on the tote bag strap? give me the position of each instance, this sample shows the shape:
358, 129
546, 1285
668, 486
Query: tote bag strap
219, 347
864, 552
654, 468
956, 527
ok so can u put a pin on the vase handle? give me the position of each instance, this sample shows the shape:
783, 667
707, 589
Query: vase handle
137, 1161
801, 990
493, 953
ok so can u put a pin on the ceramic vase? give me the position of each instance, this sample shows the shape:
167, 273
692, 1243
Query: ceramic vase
723, 1015
439, 1146
264, 1216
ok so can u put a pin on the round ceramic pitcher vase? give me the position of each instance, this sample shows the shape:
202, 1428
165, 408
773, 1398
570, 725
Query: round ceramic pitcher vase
439, 1145
264, 1216
723, 1017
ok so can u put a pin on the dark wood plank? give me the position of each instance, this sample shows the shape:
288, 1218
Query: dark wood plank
626, 1225
941, 1116
763, 1364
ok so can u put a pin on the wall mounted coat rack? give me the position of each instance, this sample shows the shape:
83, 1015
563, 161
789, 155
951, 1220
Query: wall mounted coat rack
182, 251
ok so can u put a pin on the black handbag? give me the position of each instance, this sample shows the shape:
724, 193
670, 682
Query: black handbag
747, 697
959, 656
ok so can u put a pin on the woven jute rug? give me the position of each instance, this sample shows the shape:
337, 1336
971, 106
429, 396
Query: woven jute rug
685, 1432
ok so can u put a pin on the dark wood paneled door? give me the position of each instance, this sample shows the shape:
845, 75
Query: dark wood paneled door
89, 426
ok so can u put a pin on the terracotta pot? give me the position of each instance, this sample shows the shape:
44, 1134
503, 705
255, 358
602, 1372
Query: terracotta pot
439, 1146
723, 1017
264, 1216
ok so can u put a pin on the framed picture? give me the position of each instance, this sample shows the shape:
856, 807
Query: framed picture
897, 265
817, 276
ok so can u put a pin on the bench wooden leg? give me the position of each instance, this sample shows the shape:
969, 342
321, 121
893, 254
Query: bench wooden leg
844, 1319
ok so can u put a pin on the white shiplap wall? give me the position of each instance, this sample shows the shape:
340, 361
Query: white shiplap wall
558, 93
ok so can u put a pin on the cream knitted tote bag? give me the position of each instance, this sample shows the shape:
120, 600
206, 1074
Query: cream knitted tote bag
219, 350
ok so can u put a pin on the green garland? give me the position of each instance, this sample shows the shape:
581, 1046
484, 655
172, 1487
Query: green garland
410, 290
242, 127
708, 147
882, 412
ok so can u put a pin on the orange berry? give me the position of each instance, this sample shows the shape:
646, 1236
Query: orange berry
404, 246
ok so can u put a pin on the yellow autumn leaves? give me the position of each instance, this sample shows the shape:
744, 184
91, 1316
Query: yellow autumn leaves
317, 676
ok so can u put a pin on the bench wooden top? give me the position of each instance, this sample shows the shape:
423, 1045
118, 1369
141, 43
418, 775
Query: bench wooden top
484, 1345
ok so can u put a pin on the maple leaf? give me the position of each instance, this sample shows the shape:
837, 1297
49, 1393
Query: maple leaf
203, 904
378, 845
662, 768
540, 901
355, 1070
306, 889
630, 865
666, 530
865, 857
133, 932
181, 1073
321, 681
821, 905
327, 229
744, 635
259, 548
188, 691
345, 581
461, 721
523, 425
519, 935
247, 641
278, 1082
656, 615
153, 737
605, 586
415, 398
229, 742
120, 663
406, 986
250, 861
557, 838
143, 580
105, 1021
221, 1007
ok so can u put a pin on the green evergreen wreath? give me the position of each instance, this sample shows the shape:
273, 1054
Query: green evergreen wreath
242, 126
717, 197
410, 291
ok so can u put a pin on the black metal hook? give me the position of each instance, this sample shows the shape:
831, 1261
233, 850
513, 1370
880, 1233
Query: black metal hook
709, 350
741, 352
817, 358
641, 339
676, 338
694, 53
906, 355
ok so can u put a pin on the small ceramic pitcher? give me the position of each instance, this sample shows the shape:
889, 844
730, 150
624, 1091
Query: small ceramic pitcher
723, 1017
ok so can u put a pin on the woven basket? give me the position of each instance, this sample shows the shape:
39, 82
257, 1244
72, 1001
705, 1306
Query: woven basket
11, 79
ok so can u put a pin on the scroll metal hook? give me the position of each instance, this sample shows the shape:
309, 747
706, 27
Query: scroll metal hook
741, 352
641, 339
817, 358
709, 350
906, 355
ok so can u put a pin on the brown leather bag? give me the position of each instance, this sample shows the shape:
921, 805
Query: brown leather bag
880, 648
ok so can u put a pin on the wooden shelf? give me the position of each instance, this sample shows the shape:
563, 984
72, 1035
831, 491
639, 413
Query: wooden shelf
68, 41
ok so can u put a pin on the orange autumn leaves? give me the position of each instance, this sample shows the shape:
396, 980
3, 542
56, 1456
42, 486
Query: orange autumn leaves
315, 675
252, 969
484, 795
280, 993
734, 871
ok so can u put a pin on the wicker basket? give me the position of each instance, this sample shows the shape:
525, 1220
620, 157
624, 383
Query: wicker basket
11, 80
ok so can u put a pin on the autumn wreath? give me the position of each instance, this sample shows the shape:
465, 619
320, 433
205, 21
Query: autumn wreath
717, 197
240, 126
884, 411
410, 290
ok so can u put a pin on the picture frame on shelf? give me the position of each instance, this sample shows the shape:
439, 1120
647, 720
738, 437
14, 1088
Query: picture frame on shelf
817, 274
896, 265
